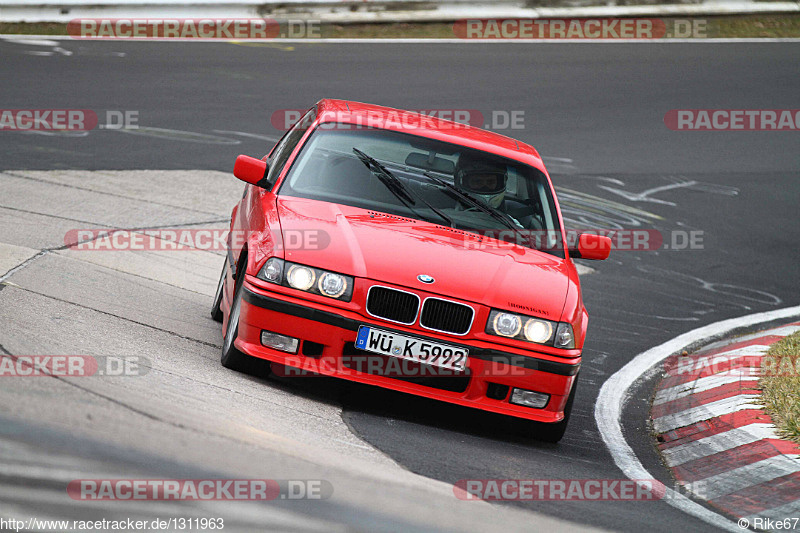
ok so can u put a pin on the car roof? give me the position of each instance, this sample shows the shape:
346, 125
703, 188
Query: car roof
332, 110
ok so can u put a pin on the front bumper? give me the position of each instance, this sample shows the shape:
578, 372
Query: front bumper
327, 348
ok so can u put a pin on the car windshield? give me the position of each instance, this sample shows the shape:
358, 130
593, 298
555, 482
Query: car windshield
426, 179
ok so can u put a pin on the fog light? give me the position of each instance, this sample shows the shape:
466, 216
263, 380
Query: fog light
279, 342
528, 398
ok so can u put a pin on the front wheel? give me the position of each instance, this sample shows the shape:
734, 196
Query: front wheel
216, 307
231, 356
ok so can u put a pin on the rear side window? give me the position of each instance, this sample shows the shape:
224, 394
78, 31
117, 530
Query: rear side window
287, 145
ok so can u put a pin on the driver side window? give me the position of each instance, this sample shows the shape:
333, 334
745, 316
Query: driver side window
287, 144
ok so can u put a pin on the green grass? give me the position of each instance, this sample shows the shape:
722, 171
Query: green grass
753, 26
780, 386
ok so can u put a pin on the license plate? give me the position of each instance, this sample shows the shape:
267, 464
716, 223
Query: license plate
395, 345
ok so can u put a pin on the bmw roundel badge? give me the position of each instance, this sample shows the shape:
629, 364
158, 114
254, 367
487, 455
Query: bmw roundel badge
424, 278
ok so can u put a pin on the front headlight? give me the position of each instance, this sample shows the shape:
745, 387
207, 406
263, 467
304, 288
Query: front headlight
538, 331
332, 285
506, 324
307, 279
300, 277
530, 329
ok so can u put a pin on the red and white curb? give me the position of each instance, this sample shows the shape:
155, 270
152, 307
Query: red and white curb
717, 439
619, 389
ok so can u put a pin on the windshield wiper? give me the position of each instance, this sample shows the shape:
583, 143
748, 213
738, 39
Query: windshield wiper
388, 179
396, 186
469, 199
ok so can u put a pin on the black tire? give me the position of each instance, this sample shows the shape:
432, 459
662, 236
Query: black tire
545, 432
216, 309
231, 357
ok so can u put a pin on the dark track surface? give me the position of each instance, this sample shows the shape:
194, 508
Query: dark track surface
599, 105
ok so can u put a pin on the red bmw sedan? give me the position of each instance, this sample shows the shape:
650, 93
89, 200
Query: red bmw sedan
411, 253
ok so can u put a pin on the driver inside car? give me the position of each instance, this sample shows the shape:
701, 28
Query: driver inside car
486, 181
481, 178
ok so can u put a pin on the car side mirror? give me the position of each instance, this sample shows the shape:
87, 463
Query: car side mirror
251, 170
591, 246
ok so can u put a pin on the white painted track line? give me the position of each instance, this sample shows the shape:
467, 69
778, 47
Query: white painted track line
616, 391
706, 411
703, 384
783, 332
749, 475
688, 364
697, 449
789, 510
778, 332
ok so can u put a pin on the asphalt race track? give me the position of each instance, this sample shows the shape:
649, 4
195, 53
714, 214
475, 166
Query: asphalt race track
594, 111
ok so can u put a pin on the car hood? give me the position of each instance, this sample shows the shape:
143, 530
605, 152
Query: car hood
393, 249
